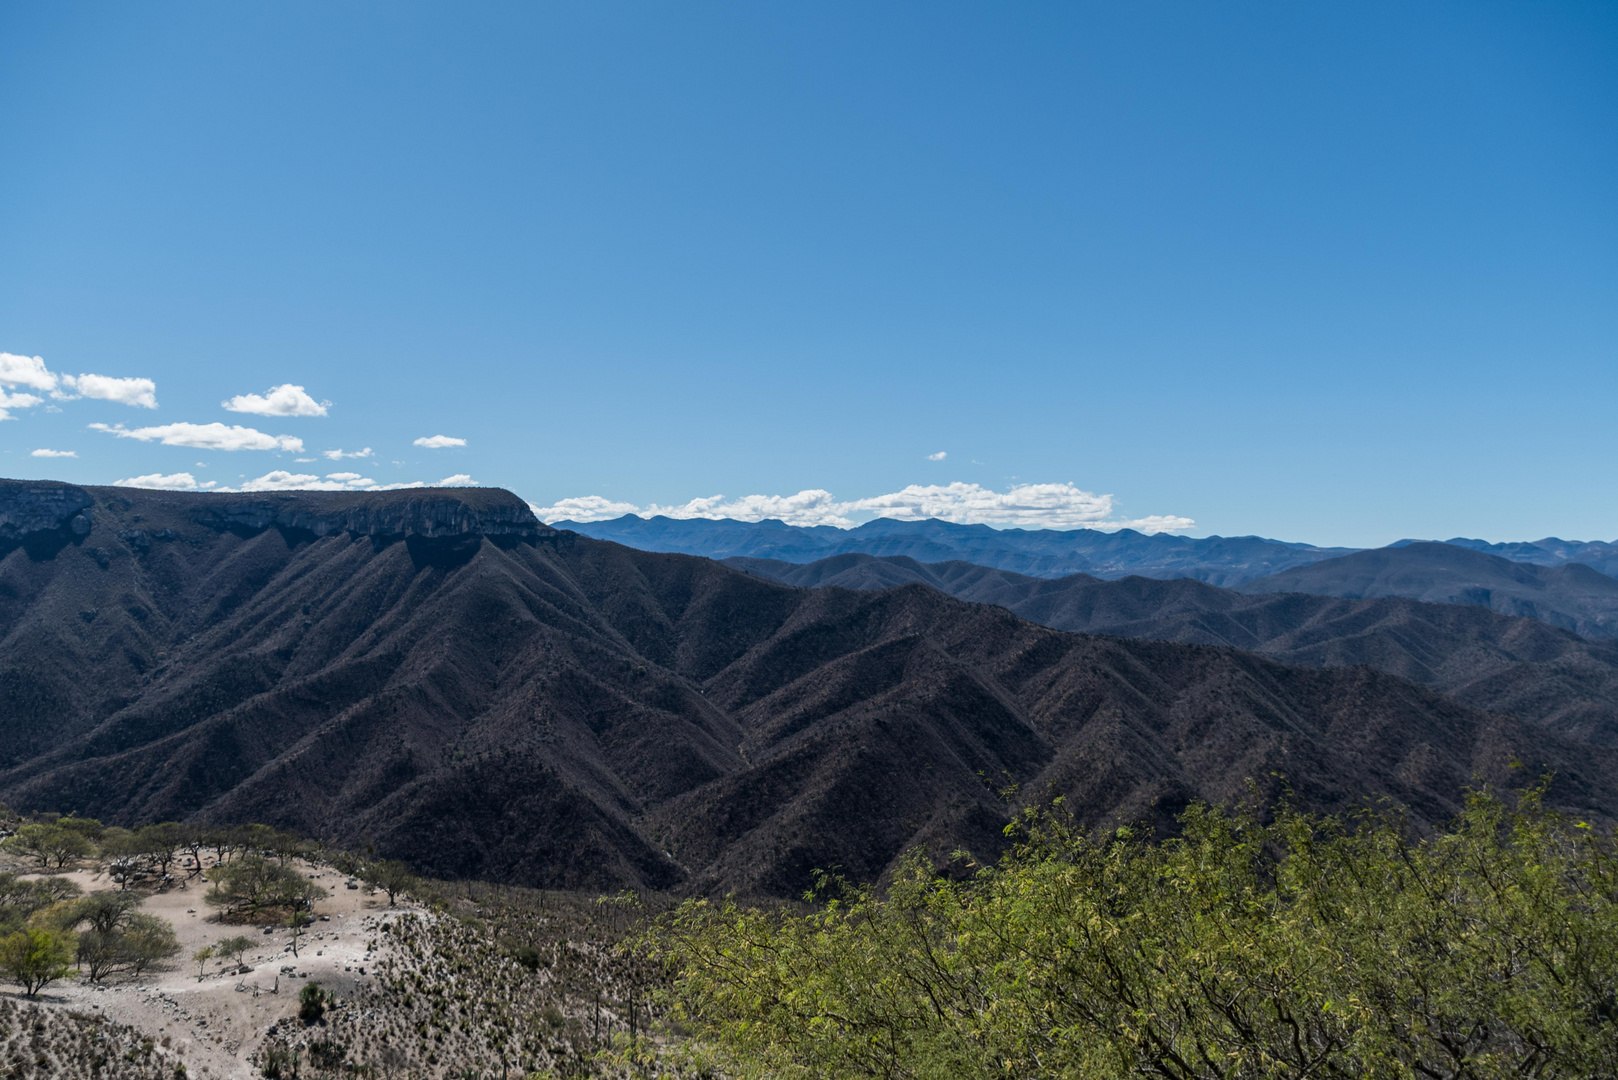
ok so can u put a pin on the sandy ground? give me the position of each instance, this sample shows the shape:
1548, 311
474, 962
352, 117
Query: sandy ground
218, 1021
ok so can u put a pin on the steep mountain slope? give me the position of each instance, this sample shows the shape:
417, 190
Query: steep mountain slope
1516, 665
437, 674
1222, 560
1571, 596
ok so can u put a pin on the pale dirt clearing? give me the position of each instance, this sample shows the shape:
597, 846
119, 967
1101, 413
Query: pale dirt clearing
216, 1023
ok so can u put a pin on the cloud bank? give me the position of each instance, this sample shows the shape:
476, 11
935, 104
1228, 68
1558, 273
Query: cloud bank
213, 436
1025, 506
281, 480
438, 442
31, 373
339, 455
283, 400
180, 481
42, 452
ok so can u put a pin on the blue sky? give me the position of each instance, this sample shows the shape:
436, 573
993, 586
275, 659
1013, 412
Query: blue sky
1336, 273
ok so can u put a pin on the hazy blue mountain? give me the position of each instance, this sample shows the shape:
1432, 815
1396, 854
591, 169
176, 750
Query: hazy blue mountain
1551, 551
1571, 595
1044, 553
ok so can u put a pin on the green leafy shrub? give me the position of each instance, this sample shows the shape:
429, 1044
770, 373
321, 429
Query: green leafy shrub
1303, 947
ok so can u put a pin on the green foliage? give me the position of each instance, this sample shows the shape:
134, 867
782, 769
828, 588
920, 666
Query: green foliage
34, 958
52, 846
253, 883
117, 936
21, 898
235, 948
102, 912
1298, 948
312, 1002
201, 958
390, 875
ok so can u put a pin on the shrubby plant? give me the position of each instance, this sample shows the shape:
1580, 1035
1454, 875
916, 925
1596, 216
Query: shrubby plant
253, 883
1302, 947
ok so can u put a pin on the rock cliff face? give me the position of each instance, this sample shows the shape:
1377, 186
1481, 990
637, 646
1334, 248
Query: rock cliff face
33, 507
432, 516
39, 510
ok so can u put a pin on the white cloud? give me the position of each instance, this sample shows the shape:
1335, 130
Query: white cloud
138, 392
206, 436
180, 481
283, 400
584, 508
940, 456
29, 371
281, 480
53, 453
16, 401
1029, 506
339, 455
438, 442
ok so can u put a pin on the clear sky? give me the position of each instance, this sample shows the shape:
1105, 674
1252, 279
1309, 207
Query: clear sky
1341, 273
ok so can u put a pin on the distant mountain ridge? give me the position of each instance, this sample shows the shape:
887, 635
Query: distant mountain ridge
1227, 561
1046, 553
1502, 663
1572, 595
1551, 551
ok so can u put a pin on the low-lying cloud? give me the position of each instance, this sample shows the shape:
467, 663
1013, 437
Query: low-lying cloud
339, 455
284, 400
282, 480
180, 481
1026, 506
42, 452
213, 436
438, 442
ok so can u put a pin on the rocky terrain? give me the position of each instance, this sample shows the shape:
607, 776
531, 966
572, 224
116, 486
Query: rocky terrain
532, 706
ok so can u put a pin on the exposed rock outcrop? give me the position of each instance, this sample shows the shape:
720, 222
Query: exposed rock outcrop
28, 507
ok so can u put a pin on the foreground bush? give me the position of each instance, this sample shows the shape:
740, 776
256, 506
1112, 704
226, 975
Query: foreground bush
1301, 948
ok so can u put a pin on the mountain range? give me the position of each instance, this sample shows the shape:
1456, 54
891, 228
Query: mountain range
1219, 560
1546, 675
437, 674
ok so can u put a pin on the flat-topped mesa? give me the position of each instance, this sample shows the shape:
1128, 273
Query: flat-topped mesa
432, 514
32, 510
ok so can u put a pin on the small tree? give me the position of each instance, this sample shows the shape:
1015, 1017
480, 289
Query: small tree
102, 912
235, 947
35, 958
159, 844
253, 883
21, 898
49, 845
148, 942
201, 958
390, 875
